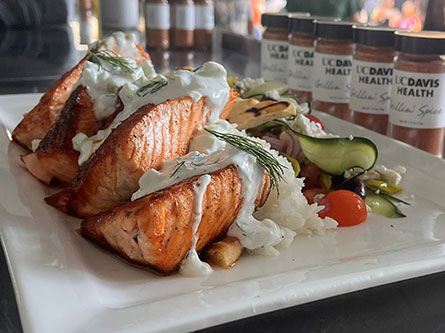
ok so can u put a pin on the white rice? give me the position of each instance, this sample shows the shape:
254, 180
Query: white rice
290, 208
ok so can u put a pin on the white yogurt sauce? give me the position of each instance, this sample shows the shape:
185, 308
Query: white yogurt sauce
125, 45
209, 81
102, 83
192, 265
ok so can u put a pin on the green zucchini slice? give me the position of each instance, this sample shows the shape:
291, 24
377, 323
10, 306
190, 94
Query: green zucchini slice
335, 155
265, 87
381, 205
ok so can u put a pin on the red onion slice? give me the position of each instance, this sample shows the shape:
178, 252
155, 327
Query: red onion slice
275, 143
293, 147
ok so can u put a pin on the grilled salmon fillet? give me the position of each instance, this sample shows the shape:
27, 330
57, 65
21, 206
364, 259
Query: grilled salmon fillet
151, 136
145, 140
233, 96
39, 120
55, 156
156, 230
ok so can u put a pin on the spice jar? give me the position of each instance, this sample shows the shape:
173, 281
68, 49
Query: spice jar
157, 23
301, 54
204, 23
371, 81
417, 112
274, 47
182, 23
331, 77
119, 14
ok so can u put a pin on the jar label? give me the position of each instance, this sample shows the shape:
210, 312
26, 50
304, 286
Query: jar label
301, 62
184, 17
331, 80
274, 60
418, 100
371, 87
120, 14
204, 17
157, 16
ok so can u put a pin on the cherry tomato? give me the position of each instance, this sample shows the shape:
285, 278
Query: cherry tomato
344, 206
311, 173
315, 120
311, 193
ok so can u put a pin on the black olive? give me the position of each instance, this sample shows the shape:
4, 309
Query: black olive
355, 185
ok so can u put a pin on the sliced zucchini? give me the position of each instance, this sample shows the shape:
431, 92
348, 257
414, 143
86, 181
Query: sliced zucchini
258, 97
394, 199
265, 87
335, 155
294, 97
382, 206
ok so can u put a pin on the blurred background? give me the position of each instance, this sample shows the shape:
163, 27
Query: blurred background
40, 39
88, 17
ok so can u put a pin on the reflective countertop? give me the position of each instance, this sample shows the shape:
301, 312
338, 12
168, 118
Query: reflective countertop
33, 59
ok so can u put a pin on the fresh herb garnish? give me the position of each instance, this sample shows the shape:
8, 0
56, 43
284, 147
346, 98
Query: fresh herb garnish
178, 167
154, 85
111, 61
263, 157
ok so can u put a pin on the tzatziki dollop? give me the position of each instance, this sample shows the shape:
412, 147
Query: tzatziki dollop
209, 81
102, 80
102, 83
125, 45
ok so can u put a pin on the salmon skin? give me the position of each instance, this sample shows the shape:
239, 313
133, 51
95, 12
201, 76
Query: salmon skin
55, 156
149, 137
156, 230
39, 120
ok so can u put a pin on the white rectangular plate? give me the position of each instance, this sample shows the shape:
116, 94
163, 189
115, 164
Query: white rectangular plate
65, 284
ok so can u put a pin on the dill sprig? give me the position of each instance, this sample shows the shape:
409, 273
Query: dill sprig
152, 87
177, 168
112, 59
263, 157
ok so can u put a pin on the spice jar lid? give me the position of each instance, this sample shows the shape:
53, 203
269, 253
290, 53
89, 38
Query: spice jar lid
305, 23
424, 42
373, 35
333, 29
275, 20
